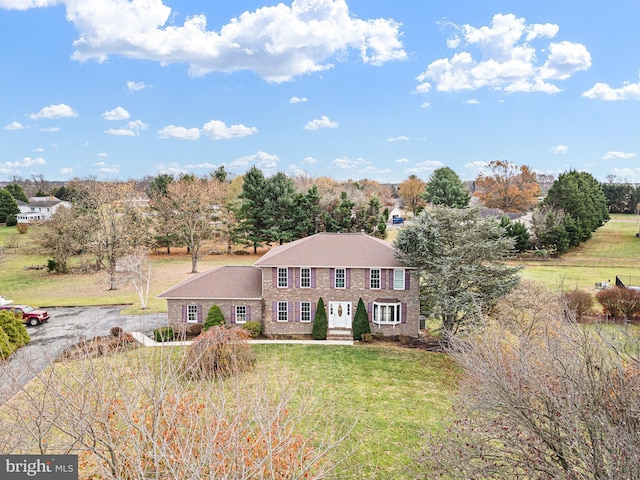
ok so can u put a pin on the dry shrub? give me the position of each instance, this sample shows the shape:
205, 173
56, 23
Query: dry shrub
523, 309
579, 302
556, 401
620, 302
137, 416
219, 351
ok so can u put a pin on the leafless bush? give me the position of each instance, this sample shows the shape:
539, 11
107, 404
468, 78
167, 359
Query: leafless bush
620, 302
219, 351
559, 401
136, 415
579, 302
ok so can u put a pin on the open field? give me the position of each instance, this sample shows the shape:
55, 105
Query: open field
613, 250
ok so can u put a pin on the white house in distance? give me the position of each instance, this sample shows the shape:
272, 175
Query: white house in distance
39, 209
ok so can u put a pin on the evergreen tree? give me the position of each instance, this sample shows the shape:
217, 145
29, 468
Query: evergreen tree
519, 232
17, 192
580, 195
460, 257
281, 207
320, 322
8, 205
360, 321
214, 318
308, 215
253, 217
446, 189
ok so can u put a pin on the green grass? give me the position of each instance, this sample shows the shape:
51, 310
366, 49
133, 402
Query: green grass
613, 250
392, 394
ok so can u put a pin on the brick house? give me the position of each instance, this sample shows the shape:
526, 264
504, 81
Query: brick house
281, 290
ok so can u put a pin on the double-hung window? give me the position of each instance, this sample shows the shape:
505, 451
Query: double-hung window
283, 312
398, 279
387, 313
241, 313
305, 277
341, 278
374, 278
283, 277
192, 313
305, 312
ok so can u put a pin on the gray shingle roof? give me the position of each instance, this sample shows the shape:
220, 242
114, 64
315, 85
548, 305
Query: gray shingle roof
230, 282
332, 250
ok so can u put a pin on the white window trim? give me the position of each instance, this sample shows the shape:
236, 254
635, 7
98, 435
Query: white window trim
237, 307
301, 311
286, 277
308, 269
335, 278
402, 275
377, 308
190, 313
286, 311
371, 270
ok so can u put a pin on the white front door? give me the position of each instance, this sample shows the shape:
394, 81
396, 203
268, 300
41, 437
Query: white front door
339, 314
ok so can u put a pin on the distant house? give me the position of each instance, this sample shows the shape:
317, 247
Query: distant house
39, 209
281, 290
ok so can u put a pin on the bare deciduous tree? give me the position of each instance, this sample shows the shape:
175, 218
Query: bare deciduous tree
137, 269
542, 398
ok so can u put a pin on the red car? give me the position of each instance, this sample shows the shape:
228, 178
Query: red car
29, 315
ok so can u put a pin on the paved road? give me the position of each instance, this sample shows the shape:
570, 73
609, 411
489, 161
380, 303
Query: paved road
66, 327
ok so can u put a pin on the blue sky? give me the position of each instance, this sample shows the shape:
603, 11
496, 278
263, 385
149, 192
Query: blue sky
354, 89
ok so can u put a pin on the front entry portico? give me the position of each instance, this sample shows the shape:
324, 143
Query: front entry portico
340, 314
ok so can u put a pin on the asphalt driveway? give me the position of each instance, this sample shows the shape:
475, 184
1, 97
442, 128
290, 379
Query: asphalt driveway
66, 327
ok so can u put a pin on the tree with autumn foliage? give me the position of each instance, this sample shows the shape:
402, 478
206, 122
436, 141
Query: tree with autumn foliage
410, 192
508, 187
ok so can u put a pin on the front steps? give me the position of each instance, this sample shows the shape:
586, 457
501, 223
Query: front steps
340, 334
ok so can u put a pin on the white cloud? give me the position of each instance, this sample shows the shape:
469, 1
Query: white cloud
26, 4
135, 86
263, 160
602, 91
172, 131
472, 101
614, 155
425, 105
55, 111
477, 166
29, 162
132, 130
426, 166
50, 129
120, 132
173, 169
346, 163
102, 167
103, 155
371, 170
200, 166
401, 138
297, 99
559, 149
217, 130
402, 160
66, 170
39, 149
277, 42
322, 122
14, 126
117, 113
309, 161
503, 59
